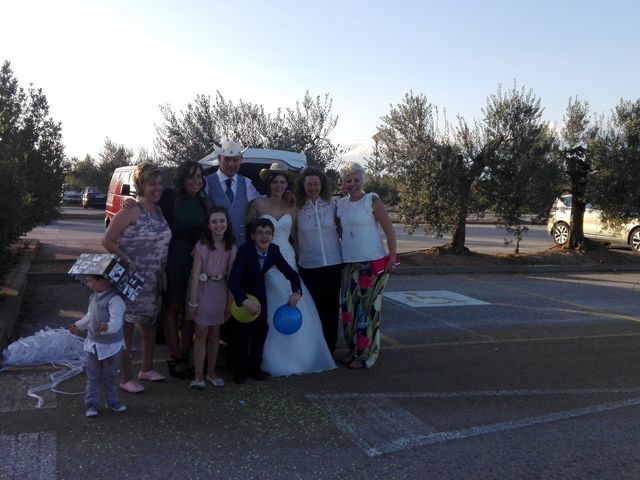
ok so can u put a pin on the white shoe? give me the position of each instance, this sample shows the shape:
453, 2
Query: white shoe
197, 385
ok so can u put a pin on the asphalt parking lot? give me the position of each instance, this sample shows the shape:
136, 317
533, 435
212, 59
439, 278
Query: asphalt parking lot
480, 376
523, 375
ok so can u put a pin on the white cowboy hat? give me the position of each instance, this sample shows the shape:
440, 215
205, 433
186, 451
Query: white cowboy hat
230, 148
279, 168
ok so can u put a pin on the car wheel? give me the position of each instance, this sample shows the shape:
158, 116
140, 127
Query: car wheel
635, 240
560, 233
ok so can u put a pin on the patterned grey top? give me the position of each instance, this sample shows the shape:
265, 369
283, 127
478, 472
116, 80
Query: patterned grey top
146, 243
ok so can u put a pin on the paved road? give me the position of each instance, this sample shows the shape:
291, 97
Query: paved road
480, 377
88, 224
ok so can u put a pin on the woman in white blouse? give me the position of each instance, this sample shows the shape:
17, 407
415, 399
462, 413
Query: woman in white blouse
319, 252
367, 265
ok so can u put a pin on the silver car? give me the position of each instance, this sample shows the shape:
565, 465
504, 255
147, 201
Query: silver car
593, 227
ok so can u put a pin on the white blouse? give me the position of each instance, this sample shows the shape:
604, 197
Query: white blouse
361, 239
318, 242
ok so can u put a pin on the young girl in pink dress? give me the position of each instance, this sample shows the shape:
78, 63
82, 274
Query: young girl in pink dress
209, 299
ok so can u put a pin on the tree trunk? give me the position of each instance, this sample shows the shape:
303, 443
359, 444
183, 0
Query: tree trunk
576, 230
578, 168
459, 234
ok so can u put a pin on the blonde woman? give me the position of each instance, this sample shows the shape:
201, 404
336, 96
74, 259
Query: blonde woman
363, 250
140, 236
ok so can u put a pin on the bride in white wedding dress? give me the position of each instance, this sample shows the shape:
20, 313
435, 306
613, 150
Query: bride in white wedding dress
305, 351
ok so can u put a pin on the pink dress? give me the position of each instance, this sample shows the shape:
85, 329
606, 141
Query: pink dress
212, 292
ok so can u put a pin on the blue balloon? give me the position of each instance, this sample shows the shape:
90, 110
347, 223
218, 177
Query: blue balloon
287, 320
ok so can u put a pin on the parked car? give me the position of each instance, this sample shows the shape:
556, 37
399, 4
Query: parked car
593, 227
70, 195
93, 197
254, 160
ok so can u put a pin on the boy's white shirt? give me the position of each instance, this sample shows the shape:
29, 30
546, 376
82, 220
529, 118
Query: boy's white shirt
116, 318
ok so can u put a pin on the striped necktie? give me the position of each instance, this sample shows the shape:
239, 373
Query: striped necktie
228, 190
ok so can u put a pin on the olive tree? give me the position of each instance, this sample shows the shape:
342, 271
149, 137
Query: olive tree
435, 170
615, 158
32, 159
575, 135
193, 133
522, 176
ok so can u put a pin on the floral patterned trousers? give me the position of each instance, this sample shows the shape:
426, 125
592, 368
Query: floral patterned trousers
360, 304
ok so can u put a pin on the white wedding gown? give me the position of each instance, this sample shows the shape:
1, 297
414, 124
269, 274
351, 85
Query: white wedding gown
306, 350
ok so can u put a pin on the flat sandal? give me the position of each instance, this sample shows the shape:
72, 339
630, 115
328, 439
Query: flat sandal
356, 364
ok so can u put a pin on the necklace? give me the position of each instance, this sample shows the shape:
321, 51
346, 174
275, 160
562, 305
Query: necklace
352, 211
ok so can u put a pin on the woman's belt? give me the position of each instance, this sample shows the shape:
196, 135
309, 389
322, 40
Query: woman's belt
211, 278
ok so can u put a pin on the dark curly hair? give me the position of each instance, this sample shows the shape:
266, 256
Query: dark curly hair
301, 196
228, 238
185, 170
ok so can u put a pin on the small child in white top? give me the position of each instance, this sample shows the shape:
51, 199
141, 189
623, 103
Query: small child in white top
103, 345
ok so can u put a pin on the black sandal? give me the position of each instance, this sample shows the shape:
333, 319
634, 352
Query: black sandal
179, 367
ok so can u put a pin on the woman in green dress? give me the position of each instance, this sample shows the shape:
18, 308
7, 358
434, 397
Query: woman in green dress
185, 209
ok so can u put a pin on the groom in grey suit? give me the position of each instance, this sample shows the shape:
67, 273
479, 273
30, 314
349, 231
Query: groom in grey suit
227, 188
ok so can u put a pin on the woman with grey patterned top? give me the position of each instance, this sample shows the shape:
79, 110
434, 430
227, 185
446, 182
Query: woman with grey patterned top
140, 237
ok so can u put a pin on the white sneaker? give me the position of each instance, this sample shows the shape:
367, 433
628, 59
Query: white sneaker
92, 411
197, 385
117, 407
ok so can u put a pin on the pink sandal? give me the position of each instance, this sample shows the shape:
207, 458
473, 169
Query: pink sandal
151, 376
132, 387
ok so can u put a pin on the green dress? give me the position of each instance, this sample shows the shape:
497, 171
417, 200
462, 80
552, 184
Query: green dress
187, 223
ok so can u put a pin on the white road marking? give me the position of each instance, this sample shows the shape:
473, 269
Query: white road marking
433, 298
28, 455
476, 393
378, 426
415, 300
375, 422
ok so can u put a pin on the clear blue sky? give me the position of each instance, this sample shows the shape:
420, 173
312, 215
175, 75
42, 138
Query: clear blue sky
106, 66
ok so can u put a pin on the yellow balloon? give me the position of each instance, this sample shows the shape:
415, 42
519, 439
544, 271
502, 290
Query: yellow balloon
241, 314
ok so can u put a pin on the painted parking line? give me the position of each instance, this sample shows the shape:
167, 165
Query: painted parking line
28, 455
433, 298
381, 426
396, 345
415, 300
562, 301
378, 422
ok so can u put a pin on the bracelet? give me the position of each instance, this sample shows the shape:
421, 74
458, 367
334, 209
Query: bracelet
192, 305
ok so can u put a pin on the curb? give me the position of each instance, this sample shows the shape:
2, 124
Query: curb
97, 216
13, 292
515, 269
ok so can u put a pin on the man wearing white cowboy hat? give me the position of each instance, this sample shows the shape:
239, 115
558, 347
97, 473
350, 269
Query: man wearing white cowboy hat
229, 189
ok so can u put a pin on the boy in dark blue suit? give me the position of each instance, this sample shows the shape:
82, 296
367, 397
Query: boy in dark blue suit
253, 259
